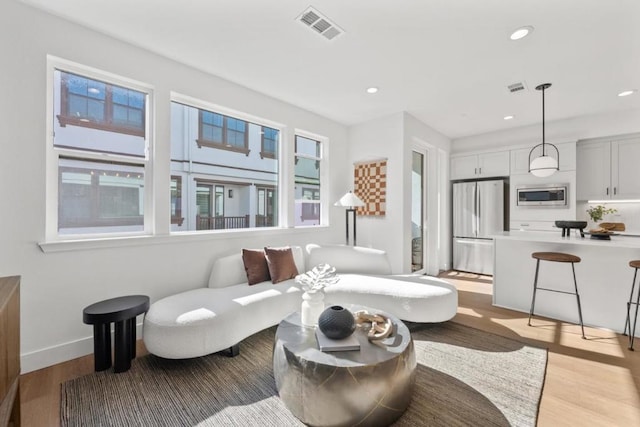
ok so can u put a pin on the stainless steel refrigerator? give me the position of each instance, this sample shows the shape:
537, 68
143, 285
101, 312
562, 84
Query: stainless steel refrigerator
478, 213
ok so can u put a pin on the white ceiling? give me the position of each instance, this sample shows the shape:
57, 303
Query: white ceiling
446, 62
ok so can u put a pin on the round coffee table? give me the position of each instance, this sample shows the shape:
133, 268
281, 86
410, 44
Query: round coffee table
369, 387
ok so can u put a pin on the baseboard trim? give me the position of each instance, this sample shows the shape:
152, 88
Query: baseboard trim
54, 355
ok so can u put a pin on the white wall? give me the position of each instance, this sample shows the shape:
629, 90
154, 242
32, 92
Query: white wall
378, 139
574, 129
56, 286
392, 137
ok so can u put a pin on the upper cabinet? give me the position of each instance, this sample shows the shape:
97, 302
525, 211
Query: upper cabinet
608, 169
483, 165
566, 152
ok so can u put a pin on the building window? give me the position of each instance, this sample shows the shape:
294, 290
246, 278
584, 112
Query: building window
308, 160
219, 201
269, 142
224, 132
92, 103
176, 201
267, 207
310, 211
231, 191
100, 147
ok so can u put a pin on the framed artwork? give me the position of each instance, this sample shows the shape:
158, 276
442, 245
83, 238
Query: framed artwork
370, 185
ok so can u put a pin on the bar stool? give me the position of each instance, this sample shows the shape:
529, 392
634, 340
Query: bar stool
556, 257
632, 331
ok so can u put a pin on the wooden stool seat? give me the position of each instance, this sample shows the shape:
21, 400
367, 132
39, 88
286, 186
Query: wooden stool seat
556, 257
635, 264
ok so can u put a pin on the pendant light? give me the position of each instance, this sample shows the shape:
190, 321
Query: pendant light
546, 164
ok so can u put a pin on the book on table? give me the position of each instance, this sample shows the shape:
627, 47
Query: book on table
325, 343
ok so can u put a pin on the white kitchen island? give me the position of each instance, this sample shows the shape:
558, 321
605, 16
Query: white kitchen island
604, 276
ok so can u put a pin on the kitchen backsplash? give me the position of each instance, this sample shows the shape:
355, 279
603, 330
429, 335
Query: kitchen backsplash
629, 213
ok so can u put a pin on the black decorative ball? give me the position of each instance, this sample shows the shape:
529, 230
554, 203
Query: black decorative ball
336, 322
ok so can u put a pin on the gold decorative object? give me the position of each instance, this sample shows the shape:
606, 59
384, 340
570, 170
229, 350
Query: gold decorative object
381, 326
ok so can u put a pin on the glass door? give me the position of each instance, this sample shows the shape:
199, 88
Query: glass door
417, 210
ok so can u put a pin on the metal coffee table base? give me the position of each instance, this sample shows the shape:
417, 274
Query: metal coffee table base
370, 387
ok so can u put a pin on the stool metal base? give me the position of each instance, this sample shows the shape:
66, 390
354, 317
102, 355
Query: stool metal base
575, 285
627, 323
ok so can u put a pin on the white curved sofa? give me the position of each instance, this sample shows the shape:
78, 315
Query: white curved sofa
207, 320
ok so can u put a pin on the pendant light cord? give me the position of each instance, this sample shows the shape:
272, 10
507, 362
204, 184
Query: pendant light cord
543, 89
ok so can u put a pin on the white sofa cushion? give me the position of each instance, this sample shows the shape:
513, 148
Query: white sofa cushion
203, 321
229, 270
349, 259
410, 297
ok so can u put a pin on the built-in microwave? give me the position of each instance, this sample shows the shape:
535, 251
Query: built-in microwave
546, 195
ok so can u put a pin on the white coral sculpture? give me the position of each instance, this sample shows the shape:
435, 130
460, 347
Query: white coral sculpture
316, 279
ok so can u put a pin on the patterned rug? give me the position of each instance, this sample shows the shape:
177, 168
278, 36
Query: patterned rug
464, 377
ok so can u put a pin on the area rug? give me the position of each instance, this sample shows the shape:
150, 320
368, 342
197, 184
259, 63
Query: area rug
464, 377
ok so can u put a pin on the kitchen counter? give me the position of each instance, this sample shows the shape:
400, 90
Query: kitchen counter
603, 275
618, 240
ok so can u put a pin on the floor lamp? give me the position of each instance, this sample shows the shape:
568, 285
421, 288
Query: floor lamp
350, 201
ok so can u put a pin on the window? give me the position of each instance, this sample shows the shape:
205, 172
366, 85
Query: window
91, 103
307, 181
176, 200
224, 132
219, 201
267, 206
235, 188
269, 142
98, 180
310, 211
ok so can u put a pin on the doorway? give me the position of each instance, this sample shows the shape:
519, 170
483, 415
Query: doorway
418, 210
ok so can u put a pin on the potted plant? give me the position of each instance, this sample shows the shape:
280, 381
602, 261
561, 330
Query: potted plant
597, 213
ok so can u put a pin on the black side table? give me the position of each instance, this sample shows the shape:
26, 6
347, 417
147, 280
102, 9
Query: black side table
122, 311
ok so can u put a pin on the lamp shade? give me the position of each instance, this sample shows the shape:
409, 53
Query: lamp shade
349, 200
543, 166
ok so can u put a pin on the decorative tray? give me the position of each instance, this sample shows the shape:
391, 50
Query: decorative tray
601, 235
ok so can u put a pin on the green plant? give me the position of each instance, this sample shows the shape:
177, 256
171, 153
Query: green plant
599, 211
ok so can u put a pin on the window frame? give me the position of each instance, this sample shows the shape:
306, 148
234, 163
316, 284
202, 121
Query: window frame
264, 153
223, 145
280, 185
65, 118
55, 153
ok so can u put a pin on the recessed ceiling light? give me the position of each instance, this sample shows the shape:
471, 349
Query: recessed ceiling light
509, 117
521, 32
627, 92
372, 90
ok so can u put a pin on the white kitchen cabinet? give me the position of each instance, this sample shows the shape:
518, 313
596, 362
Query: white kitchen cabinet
608, 170
566, 151
483, 165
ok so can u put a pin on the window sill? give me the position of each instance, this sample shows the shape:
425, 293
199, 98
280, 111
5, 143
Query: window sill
205, 143
176, 237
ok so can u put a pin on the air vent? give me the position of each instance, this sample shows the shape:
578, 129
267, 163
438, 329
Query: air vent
320, 24
517, 87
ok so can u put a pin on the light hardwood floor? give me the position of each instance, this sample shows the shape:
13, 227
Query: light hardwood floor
593, 382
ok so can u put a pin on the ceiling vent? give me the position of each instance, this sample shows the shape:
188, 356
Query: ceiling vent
320, 24
517, 87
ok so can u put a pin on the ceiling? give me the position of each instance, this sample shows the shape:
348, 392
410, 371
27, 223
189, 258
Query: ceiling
446, 62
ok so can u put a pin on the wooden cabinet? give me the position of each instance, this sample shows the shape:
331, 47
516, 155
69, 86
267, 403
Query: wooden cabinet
483, 165
608, 170
9, 350
566, 151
